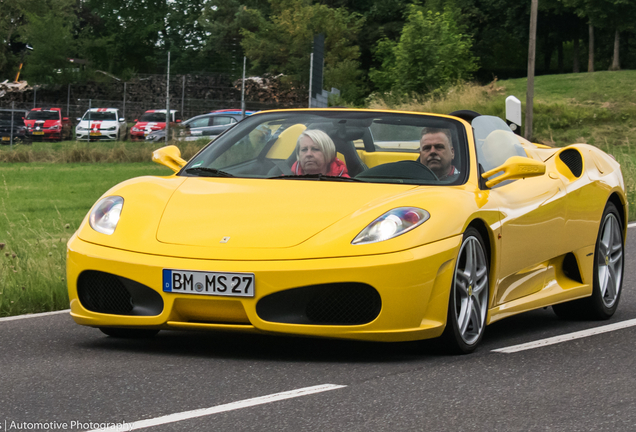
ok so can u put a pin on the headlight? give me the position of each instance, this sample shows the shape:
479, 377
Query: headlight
105, 215
392, 224
53, 127
79, 128
111, 128
135, 129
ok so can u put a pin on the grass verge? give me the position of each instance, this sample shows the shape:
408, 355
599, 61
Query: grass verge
41, 205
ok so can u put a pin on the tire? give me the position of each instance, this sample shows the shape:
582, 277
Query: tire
128, 333
469, 294
608, 270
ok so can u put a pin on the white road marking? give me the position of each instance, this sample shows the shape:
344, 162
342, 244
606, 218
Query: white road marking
37, 315
567, 337
631, 225
186, 415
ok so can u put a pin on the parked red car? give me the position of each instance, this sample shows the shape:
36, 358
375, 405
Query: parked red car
152, 120
47, 124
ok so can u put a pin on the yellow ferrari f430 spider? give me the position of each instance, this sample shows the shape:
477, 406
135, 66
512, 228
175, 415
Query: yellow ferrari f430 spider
359, 224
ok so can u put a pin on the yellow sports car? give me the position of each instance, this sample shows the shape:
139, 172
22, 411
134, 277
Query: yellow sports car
359, 224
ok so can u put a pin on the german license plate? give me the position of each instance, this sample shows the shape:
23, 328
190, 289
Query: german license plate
95, 134
6, 138
38, 133
208, 283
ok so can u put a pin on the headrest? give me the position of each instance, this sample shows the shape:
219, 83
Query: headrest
498, 147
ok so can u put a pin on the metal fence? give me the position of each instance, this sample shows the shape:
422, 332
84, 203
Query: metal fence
190, 94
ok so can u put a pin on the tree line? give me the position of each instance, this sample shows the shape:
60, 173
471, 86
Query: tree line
385, 46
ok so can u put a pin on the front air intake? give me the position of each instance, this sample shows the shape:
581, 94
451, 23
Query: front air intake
328, 304
107, 293
573, 160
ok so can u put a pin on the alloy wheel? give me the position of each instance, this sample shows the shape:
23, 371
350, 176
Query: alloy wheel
610, 260
471, 290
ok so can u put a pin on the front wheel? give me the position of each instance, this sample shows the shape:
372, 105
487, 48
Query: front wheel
468, 303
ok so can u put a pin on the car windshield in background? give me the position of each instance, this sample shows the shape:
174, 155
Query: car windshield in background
153, 117
43, 115
108, 116
374, 147
6, 117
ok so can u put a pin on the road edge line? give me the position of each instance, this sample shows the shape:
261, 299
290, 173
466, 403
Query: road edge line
35, 315
566, 337
186, 415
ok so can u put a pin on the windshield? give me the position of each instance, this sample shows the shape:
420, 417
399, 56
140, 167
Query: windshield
153, 117
100, 116
43, 115
6, 117
343, 145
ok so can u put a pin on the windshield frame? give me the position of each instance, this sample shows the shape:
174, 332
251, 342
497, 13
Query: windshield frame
357, 118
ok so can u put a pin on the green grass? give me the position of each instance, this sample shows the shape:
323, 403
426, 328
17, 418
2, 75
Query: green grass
41, 205
595, 108
74, 151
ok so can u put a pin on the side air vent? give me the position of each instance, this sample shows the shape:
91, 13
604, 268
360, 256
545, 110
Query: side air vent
571, 268
572, 159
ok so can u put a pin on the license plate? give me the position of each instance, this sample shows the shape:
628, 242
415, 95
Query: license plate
95, 134
208, 283
38, 133
6, 138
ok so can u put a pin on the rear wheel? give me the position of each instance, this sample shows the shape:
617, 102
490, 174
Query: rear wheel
608, 272
468, 304
129, 333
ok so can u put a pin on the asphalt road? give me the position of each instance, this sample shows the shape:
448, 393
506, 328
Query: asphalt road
56, 375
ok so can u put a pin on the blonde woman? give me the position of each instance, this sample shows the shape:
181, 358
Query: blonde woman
316, 154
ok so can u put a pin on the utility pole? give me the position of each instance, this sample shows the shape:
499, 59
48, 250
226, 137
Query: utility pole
532, 50
311, 75
243, 89
183, 116
168, 117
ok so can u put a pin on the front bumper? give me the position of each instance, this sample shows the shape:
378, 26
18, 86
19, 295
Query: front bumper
413, 285
103, 136
45, 136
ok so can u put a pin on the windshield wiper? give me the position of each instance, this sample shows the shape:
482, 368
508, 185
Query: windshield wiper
208, 172
318, 177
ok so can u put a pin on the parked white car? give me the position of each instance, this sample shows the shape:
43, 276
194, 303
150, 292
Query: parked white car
101, 124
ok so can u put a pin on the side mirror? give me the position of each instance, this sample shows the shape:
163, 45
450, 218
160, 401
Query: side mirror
136, 120
121, 119
516, 167
78, 119
178, 121
169, 156
64, 118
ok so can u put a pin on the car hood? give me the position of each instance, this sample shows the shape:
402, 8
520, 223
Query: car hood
151, 125
42, 123
259, 219
98, 124
265, 214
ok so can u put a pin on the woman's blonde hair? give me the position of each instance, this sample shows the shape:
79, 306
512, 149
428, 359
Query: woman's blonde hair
322, 140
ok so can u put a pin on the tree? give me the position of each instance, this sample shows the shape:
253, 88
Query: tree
49, 28
613, 15
283, 44
432, 52
122, 36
